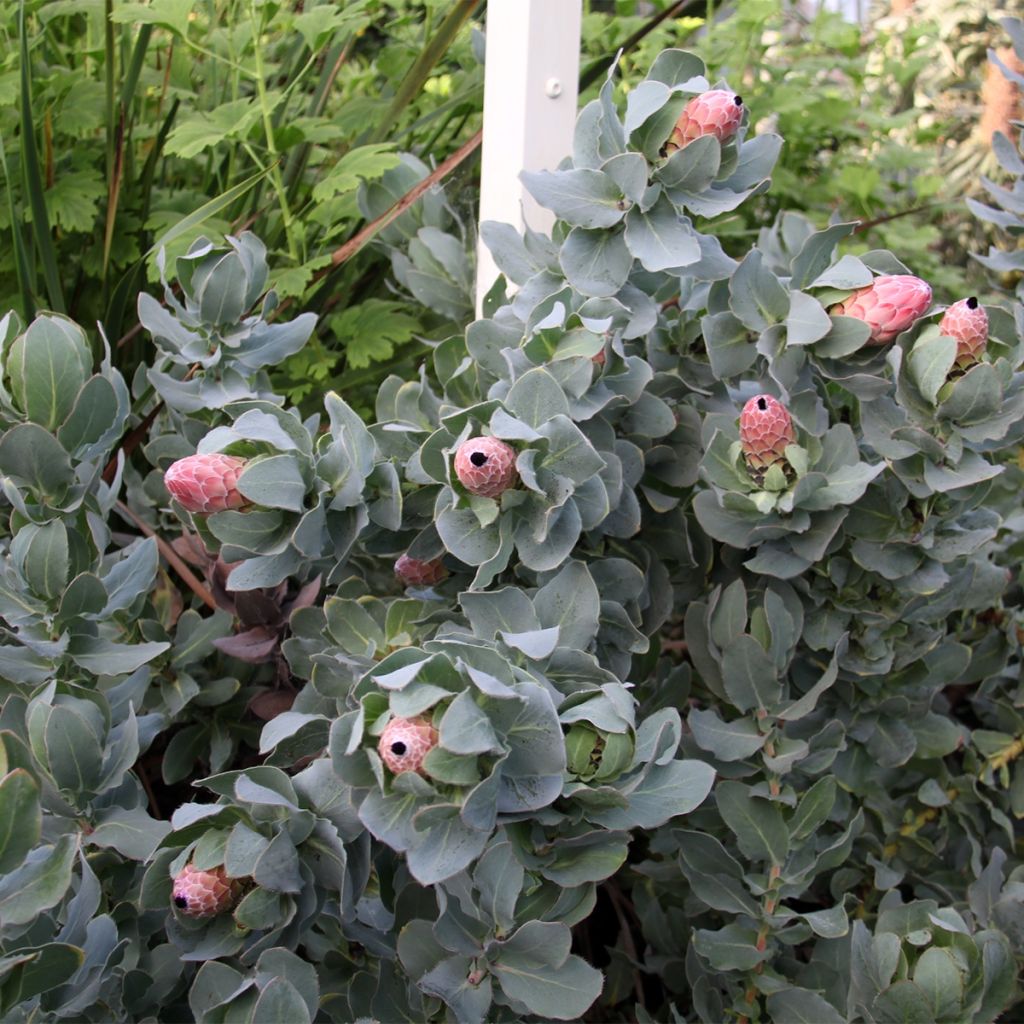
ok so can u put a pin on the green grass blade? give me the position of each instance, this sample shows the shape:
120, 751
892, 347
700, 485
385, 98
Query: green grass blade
207, 210
21, 264
429, 57
34, 179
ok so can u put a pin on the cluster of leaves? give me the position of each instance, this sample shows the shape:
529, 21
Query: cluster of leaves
754, 746
278, 112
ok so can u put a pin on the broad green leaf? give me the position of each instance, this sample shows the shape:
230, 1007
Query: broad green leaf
757, 824
20, 818
802, 1006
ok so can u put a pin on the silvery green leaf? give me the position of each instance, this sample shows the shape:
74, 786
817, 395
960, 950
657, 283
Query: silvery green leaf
732, 948
583, 198
132, 832
441, 844
847, 273
498, 877
105, 657
679, 67
749, 675
536, 644
643, 101
807, 321
665, 791
815, 255
464, 537
570, 454
48, 365
534, 967
466, 729
536, 397
730, 349
756, 296
596, 263
728, 741
757, 824
449, 980
693, 168
34, 457
974, 397
20, 818
929, 363
95, 417
629, 171
659, 238
510, 254
264, 571
570, 601
131, 576
757, 157
561, 531
802, 1006
40, 882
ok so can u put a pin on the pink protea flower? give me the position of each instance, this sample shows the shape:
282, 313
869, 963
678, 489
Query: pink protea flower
966, 321
206, 483
765, 430
889, 305
405, 742
486, 466
415, 573
204, 893
717, 112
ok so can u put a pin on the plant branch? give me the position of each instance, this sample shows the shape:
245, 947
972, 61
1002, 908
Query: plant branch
173, 559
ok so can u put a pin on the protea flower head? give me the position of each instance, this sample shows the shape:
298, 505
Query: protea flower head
717, 112
966, 321
204, 893
416, 573
405, 742
889, 305
765, 430
206, 483
485, 466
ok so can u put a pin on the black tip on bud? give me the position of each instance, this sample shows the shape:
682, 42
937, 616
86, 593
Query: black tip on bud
181, 902
762, 404
398, 748
478, 459
972, 303
738, 100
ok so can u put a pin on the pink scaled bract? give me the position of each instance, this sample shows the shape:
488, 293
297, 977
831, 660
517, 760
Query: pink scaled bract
405, 742
765, 430
717, 112
206, 483
204, 893
889, 305
416, 573
967, 322
486, 466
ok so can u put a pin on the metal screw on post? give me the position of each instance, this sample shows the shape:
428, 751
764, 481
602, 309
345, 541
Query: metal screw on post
533, 49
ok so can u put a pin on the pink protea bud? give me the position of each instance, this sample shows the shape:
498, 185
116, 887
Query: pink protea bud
415, 573
765, 430
889, 305
717, 113
485, 466
966, 321
206, 483
405, 742
204, 893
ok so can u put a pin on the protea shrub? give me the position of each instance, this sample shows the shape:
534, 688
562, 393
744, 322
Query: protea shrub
716, 719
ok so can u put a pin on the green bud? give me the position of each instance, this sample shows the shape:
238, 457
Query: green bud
581, 745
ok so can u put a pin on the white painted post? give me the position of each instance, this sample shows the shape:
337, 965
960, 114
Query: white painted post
531, 76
